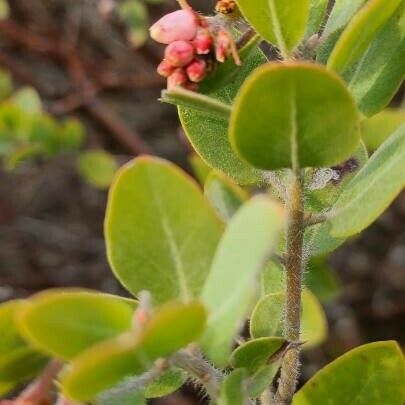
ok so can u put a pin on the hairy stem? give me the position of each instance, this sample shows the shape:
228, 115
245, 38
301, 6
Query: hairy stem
294, 264
203, 372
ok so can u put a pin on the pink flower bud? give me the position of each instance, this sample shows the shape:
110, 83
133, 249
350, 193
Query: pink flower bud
181, 25
197, 70
165, 68
177, 78
203, 41
179, 53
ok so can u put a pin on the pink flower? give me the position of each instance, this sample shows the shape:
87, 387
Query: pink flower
177, 78
197, 70
165, 68
179, 53
203, 41
181, 25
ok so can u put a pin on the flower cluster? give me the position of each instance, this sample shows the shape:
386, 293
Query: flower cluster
194, 44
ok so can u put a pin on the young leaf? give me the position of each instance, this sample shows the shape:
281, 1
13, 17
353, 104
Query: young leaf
267, 318
64, 323
173, 326
233, 390
161, 233
317, 12
371, 191
376, 78
170, 381
256, 353
370, 374
295, 114
249, 239
281, 22
377, 129
225, 196
360, 32
97, 167
18, 361
209, 135
321, 280
28, 100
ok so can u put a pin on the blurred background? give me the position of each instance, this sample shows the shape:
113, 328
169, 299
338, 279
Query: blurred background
81, 74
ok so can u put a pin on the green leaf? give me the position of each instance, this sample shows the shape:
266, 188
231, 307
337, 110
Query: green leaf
191, 99
233, 390
273, 279
97, 167
28, 100
4, 9
267, 318
18, 361
173, 326
64, 323
322, 280
225, 196
135, 15
72, 134
6, 84
208, 134
250, 238
170, 381
318, 238
360, 32
133, 397
317, 13
377, 129
370, 374
376, 78
199, 167
280, 22
371, 191
294, 114
161, 233
341, 14
261, 380
256, 353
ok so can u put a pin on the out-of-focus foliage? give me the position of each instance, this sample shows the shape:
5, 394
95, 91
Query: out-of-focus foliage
27, 132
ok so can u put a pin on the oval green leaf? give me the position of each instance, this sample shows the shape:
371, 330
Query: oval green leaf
173, 326
267, 318
378, 128
161, 232
18, 361
371, 191
97, 167
250, 238
377, 76
370, 374
360, 32
256, 353
295, 114
64, 323
234, 389
209, 134
281, 22
225, 196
